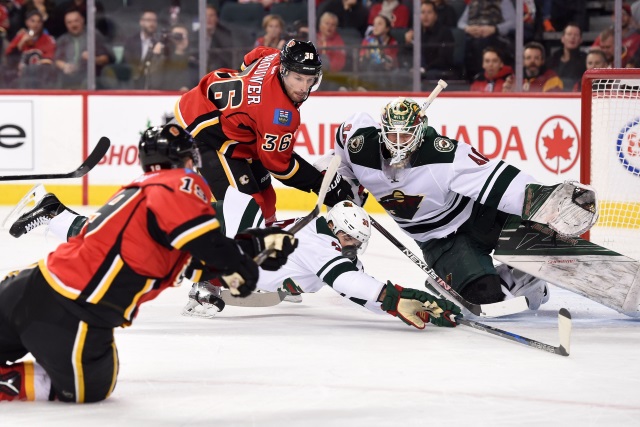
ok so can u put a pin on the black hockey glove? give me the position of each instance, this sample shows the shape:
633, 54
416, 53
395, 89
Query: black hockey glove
255, 240
338, 191
416, 307
242, 281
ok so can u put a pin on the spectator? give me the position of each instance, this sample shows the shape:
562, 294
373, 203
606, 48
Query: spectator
436, 57
495, 73
397, 13
569, 62
537, 78
350, 13
595, 59
71, 52
220, 42
330, 45
606, 45
486, 23
57, 26
265, 3
273, 26
138, 49
559, 13
379, 50
32, 52
446, 13
46, 9
630, 35
172, 67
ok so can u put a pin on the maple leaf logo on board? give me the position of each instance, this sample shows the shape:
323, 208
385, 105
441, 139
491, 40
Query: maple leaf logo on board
558, 145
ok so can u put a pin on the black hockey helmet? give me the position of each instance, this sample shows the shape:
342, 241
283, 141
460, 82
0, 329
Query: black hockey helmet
166, 147
301, 57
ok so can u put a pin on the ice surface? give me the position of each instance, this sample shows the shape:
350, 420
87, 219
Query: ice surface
328, 362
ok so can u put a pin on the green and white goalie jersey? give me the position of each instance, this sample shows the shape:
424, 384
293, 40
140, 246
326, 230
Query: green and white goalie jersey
434, 195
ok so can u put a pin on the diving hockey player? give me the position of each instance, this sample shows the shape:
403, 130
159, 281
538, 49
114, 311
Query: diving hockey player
64, 308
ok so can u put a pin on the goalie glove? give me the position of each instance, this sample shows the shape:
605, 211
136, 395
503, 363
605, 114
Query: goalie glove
416, 307
254, 240
570, 208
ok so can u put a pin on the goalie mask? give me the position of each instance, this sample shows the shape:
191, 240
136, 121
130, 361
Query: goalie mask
352, 220
167, 147
403, 124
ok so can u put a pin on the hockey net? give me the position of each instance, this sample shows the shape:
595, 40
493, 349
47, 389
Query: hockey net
610, 158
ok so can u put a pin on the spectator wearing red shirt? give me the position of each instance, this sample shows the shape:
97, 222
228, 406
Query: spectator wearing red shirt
537, 78
630, 35
31, 51
379, 50
327, 37
495, 73
397, 13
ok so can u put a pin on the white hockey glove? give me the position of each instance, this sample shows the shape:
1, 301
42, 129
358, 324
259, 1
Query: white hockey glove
570, 208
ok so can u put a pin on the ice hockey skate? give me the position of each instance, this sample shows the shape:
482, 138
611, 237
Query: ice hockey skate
204, 301
46, 208
517, 283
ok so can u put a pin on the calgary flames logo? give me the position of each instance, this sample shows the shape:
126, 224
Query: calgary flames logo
401, 205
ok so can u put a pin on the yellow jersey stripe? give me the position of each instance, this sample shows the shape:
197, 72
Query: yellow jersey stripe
296, 166
227, 170
178, 114
56, 283
76, 361
115, 368
106, 281
225, 146
29, 381
206, 123
197, 231
147, 287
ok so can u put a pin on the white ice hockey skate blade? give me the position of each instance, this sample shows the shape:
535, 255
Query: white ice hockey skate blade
27, 202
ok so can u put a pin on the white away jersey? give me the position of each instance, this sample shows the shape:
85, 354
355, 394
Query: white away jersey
316, 262
434, 197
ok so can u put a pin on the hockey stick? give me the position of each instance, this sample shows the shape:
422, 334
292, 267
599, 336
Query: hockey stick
564, 331
90, 162
273, 298
434, 93
502, 308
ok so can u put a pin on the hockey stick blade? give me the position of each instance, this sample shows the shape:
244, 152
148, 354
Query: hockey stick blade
90, 162
324, 187
256, 299
564, 330
435, 283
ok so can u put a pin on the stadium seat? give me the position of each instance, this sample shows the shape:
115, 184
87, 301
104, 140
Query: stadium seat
249, 14
290, 12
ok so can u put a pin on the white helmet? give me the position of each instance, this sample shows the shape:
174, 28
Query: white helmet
350, 218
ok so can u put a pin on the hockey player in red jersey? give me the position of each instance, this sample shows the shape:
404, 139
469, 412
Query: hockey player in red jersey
245, 122
63, 309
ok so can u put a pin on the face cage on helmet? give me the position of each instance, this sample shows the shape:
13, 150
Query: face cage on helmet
401, 150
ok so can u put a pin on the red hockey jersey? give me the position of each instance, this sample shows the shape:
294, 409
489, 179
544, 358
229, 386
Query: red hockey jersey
246, 114
130, 249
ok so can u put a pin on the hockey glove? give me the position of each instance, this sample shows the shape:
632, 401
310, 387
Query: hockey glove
242, 281
255, 240
416, 307
338, 191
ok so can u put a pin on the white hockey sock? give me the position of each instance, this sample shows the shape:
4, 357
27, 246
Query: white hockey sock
41, 382
60, 224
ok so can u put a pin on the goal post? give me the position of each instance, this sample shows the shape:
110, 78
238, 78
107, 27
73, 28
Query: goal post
610, 155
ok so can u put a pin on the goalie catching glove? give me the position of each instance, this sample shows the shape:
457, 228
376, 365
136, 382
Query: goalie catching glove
416, 307
570, 209
254, 240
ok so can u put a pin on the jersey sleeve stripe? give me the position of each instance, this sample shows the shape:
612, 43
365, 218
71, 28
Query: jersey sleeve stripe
287, 175
225, 146
251, 216
194, 232
333, 273
338, 133
178, 114
204, 124
489, 181
106, 281
331, 264
425, 227
56, 283
147, 287
499, 187
76, 360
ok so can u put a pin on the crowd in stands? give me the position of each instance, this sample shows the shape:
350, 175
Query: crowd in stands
365, 44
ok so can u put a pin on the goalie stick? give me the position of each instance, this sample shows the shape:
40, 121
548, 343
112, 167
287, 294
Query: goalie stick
564, 331
90, 162
272, 298
434, 282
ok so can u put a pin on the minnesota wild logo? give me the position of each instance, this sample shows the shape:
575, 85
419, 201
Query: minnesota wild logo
401, 205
